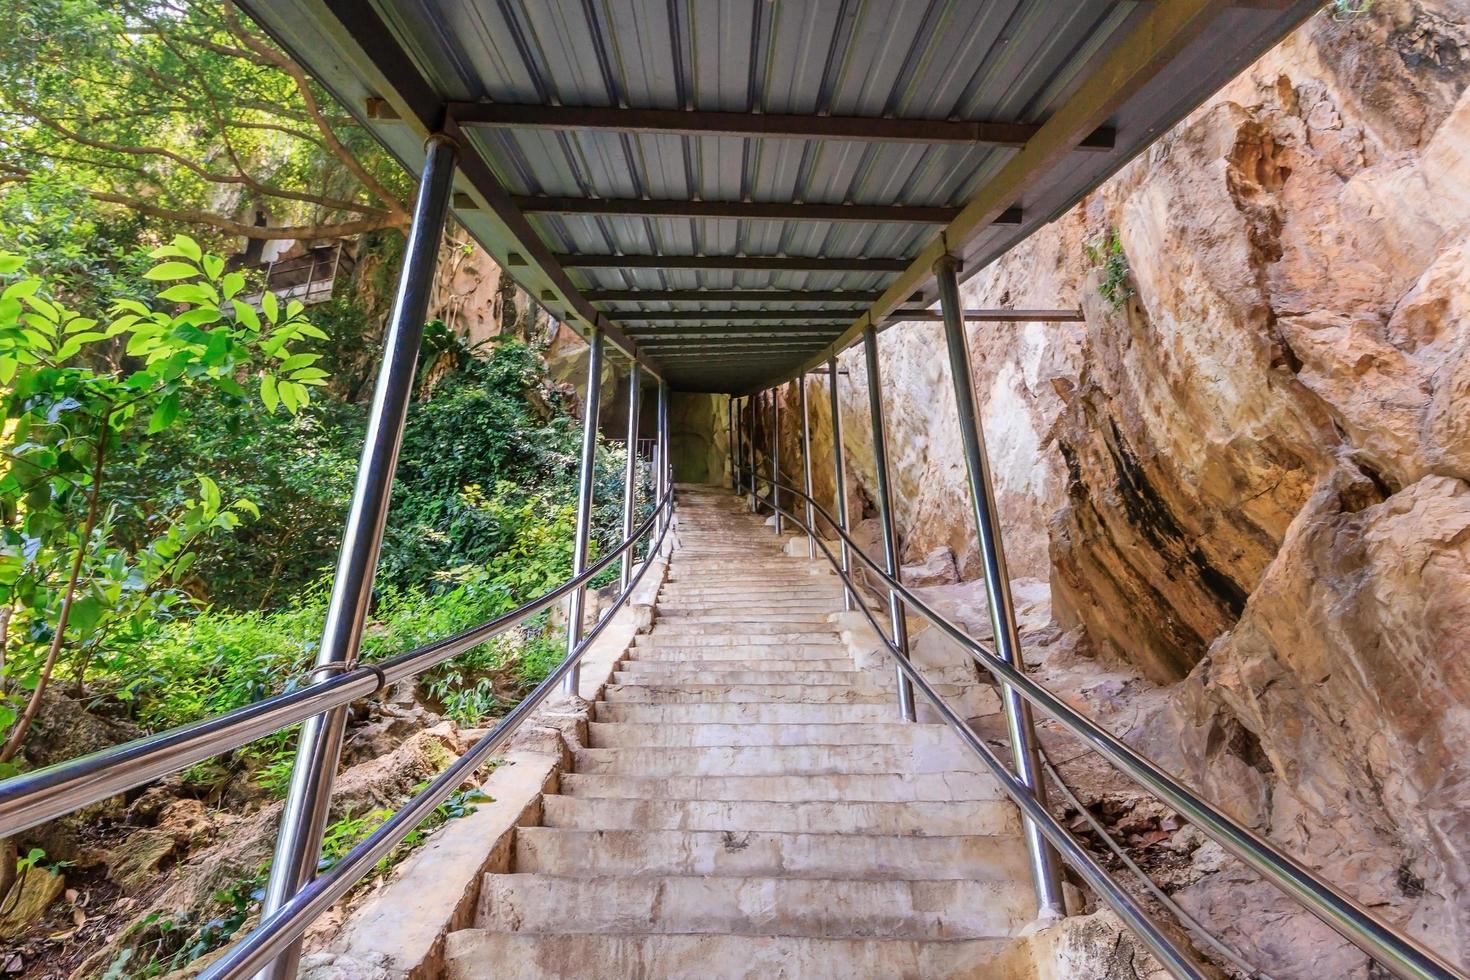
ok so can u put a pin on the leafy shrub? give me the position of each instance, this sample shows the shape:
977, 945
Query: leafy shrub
1106, 252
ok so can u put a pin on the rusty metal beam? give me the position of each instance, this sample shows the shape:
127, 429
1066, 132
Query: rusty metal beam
866, 129
776, 316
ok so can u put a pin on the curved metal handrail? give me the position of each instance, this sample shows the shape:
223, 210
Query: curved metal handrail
278, 931
1402, 954
34, 797
1175, 960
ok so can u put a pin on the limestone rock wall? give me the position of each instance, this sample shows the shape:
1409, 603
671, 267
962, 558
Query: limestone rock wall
1248, 478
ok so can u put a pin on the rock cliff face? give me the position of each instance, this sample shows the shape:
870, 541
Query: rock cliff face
1245, 474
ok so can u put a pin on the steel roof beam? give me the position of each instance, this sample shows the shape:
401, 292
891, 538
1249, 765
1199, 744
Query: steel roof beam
749, 210
751, 263
727, 296
1166, 29
865, 129
690, 316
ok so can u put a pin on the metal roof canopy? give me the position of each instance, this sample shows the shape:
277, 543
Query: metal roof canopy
623, 156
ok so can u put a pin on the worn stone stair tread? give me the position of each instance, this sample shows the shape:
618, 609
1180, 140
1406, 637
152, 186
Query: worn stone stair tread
593, 853
740, 711
673, 693
477, 954
752, 905
605, 735
670, 667
767, 760
697, 674
848, 787
924, 818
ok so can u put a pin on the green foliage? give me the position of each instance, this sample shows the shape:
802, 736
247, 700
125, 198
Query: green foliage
81, 386
1344, 10
1106, 252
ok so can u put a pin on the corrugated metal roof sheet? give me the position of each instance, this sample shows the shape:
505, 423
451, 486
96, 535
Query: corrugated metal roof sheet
1018, 61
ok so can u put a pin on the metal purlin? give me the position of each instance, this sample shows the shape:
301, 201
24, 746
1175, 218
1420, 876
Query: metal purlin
304, 817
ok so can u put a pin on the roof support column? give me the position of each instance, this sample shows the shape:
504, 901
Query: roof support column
630, 474
585, 474
304, 818
839, 479
750, 401
776, 458
896, 619
806, 466
1045, 869
664, 484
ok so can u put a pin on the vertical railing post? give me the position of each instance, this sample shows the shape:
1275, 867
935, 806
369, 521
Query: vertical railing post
304, 818
885, 514
1045, 868
729, 425
806, 465
839, 478
585, 481
750, 401
776, 458
630, 475
666, 459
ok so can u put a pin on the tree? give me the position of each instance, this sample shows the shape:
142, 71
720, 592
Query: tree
76, 389
182, 110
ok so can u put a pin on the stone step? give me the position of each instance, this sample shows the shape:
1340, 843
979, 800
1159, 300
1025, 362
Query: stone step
802, 588
755, 618
681, 606
921, 818
590, 853
671, 667
682, 632
870, 788
767, 645
730, 693
747, 712
774, 760
476, 954
754, 906
612, 735
697, 673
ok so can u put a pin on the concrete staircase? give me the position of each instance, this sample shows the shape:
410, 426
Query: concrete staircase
749, 805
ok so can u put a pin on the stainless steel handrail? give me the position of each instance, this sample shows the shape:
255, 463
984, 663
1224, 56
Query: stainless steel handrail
278, 931
1175, 960
1402, 954
34, 797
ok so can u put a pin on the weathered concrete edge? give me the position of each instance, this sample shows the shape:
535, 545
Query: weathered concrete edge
398, 933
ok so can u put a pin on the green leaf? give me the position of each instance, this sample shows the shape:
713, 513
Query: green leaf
298, 361
246, 314
213, 266
172, 270
210, 492
75, 343
163, 416
8, 366
268, 393
311, 330
232, 283
86, 612
25, 287
10, 264
78, 323
290, 396
270, 306
248, 506
187, 246
195, 293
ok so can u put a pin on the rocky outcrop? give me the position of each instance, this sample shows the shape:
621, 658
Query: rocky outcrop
1245, 473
